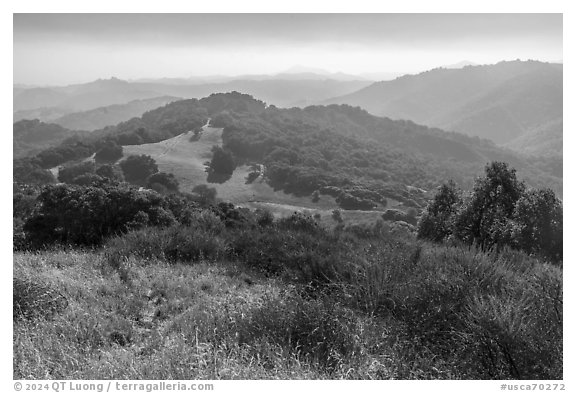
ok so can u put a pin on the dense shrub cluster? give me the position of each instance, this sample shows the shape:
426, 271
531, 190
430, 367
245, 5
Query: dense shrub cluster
87, 215
397, 215
30, 171
67, 151
68, 173
110, 152
162, 182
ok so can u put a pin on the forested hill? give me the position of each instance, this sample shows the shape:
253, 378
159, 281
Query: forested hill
338, 143
32, 136
500, 102
112, 114
310, 149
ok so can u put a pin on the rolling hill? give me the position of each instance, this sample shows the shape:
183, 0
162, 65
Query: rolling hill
186, 158
342, 151
111, 115
542, 141
500, 102
32, 136
306, 149
81, 97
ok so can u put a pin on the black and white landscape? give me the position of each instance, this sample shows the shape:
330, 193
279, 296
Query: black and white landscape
288, 196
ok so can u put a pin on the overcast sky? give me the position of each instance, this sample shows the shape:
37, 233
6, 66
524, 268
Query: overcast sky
72, 48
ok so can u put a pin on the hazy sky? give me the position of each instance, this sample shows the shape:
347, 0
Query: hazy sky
71, 48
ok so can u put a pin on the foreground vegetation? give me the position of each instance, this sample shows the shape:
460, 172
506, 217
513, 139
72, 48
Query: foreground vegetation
284, 299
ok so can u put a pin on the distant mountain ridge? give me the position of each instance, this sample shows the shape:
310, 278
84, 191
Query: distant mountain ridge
500, 102
111, 115
281, 90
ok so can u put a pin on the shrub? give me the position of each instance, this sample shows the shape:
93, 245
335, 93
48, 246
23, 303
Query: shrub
174, 244
299, 222
252, 176
204, 195
110, 152
87, 215
483, 315
30, 171
351, 202
263, 217
68, 173
110, 172
167, 180
87, 179
397, 215
316, 196
337, 216
206, 220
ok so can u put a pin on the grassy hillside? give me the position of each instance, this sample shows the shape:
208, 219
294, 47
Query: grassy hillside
264, 303
185, 156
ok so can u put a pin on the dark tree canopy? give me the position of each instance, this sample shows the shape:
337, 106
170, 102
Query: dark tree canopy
493, 200
110, 172
68, 173
86, 215
536, 226
110, 152
29, 171
166, 180
499, 212
222, 161
204, 195
137, 169
436, 222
